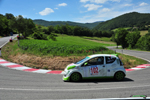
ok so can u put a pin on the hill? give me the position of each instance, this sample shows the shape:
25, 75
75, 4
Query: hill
126, 20
54, 23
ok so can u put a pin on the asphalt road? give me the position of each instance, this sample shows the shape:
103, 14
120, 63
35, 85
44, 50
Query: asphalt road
19, 85
6, 39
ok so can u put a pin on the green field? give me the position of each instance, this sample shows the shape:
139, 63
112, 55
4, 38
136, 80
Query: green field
64, 46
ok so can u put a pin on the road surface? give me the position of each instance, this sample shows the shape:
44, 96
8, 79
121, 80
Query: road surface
20, 85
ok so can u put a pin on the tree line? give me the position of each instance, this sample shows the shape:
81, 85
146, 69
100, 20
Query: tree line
132, 39
10, 23
54, 23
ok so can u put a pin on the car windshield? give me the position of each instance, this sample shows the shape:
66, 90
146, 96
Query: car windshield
84, 59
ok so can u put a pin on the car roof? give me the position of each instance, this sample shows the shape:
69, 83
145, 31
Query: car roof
95, 55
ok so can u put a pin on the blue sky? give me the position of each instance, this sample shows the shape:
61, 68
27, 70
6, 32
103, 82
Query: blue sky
73, 10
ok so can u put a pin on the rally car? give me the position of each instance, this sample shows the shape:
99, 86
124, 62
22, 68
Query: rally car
95, 66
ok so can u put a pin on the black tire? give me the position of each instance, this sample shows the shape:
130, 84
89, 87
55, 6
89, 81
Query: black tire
119, 76
75, 77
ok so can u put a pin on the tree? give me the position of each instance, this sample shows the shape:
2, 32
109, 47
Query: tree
132, 38
144, 43
3, 25
29, 27
120, 35
9, 16
50, 29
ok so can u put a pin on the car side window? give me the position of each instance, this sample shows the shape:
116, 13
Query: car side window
94, 61
110, 60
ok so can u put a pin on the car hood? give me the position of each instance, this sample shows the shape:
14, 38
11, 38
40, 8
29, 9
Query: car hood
71, 66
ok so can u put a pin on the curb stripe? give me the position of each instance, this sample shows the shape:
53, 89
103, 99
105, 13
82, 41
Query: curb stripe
7, 64
4, 62
54, 72
140, 67
42, 71
13, 66
129, 69
21, 68
136, 68
30, 70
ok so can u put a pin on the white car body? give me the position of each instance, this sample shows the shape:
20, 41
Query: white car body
89, 67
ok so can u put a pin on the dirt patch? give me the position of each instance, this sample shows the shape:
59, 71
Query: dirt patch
56, 63
105, 42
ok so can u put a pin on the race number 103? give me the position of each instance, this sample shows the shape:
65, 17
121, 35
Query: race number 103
94, 70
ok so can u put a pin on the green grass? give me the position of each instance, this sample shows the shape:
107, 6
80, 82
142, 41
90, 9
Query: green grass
64, 46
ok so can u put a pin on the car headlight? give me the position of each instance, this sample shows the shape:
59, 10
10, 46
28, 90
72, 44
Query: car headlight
66, 73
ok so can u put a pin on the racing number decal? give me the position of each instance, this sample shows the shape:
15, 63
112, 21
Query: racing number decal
94, 70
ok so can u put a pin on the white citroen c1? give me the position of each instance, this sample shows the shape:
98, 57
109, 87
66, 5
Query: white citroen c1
95, 66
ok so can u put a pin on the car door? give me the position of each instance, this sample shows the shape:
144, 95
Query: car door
94, 67
111, 65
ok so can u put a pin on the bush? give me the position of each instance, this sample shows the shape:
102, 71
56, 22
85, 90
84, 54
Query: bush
39, 35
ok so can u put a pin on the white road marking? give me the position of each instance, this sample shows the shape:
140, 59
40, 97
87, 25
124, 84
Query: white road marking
21, 89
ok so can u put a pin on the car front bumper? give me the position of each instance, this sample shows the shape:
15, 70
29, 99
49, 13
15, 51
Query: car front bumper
66, 78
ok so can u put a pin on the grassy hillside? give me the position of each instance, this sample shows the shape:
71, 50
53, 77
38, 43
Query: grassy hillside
126, 20
38, 57
54, 23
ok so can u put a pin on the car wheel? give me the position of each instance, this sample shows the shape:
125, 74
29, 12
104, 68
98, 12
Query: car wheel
75, 77
119, 76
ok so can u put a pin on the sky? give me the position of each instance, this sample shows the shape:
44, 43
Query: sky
83, 11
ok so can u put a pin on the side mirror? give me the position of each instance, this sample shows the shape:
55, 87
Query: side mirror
85, 64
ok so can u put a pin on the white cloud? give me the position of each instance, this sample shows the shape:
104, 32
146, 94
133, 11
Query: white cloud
105, 9
46, 11
94, 1
143, 4
55, 8
98, 1
92, 6
127, 5
84, 1
62, 4
115, 0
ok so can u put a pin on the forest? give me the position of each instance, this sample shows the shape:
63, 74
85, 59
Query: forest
133, 19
